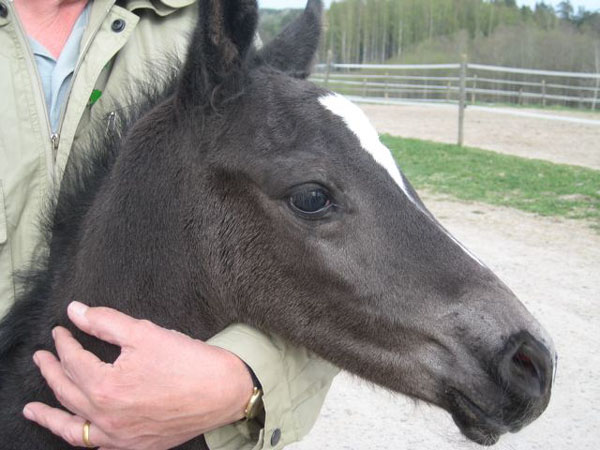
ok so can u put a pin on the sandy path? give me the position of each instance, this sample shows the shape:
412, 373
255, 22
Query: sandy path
557, 141
554, 267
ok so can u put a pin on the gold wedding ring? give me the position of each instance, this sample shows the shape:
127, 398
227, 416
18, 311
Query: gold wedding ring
86, 434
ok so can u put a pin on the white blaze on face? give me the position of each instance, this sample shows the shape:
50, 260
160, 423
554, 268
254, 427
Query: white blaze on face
357, 122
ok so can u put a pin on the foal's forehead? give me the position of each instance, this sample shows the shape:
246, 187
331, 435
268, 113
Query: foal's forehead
358, 123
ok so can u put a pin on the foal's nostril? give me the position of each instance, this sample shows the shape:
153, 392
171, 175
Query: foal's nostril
526, 367
523, 363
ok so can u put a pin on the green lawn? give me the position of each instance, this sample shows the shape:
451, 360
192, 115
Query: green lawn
473, 174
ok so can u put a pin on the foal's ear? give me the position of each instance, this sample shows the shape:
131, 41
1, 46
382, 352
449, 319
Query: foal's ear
214, 68
293, 49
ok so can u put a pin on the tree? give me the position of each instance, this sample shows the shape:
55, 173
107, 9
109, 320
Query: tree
493, 31
565, 10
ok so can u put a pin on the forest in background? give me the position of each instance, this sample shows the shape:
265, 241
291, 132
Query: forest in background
494, 32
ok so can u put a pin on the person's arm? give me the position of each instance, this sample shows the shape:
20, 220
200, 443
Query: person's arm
295, 383
166, 388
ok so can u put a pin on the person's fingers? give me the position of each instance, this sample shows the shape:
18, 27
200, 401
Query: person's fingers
82, 367
65, 391
65, 425
106, 324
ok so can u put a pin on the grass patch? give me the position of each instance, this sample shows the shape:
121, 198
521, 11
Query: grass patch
473, 174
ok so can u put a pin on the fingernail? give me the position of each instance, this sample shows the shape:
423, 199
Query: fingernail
79, 309
28, 413
54, 333
36, 359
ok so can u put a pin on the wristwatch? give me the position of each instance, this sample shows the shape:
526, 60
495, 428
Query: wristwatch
255, 404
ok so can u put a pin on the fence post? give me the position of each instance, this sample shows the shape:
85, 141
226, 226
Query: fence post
520, 100
595, 99
328, 68
474, 89
462, 99
386, 95
543, 92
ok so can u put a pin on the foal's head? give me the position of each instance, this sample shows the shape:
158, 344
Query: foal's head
302, 224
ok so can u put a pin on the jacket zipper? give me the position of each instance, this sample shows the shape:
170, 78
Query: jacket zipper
55, 135
54, 138
82, 54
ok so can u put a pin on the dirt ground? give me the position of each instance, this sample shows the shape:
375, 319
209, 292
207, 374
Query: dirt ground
531, 137
553, 265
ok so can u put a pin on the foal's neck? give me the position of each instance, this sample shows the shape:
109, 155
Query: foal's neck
132, 252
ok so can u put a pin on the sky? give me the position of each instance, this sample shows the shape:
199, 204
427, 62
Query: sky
588, 4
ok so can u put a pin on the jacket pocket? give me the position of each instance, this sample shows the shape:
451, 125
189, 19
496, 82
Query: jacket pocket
3, 226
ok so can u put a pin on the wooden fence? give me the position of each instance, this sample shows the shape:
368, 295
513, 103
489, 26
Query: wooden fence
462, 83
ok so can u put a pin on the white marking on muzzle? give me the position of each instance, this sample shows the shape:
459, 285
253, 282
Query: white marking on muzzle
358, 122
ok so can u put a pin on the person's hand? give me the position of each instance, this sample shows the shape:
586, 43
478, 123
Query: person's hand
164, 389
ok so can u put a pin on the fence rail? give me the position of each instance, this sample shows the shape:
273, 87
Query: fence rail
463, 83
549, 73
391, 66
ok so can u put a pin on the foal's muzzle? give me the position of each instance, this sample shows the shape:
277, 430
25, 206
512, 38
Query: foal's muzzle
523, 373
525, 368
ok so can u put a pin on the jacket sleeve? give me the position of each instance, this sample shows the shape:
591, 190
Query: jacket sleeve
294, 381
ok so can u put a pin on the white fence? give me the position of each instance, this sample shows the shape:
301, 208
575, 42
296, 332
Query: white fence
462, 83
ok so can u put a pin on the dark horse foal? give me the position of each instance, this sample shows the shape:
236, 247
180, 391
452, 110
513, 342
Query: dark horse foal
244, 193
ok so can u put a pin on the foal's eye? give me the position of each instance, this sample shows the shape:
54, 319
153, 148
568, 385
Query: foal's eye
310, 201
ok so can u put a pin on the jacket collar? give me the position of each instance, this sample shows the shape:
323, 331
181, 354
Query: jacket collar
160, 7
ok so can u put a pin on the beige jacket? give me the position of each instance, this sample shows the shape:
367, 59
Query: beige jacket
32, 162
